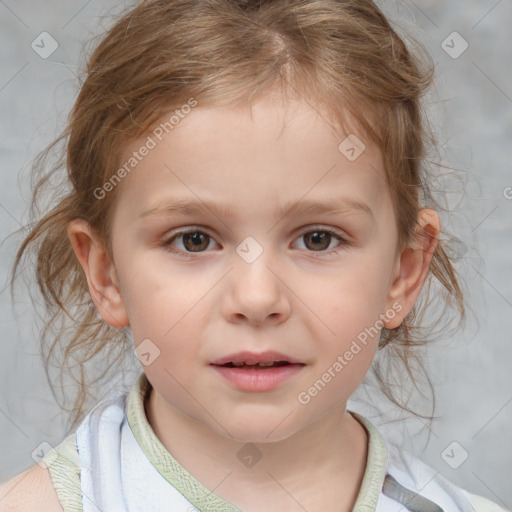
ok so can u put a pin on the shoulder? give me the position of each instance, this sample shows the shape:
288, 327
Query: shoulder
49, 487
31, 490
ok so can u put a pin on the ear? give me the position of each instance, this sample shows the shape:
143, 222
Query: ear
100, 272
413, 265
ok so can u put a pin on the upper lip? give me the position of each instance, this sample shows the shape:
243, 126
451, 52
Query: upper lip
254, 358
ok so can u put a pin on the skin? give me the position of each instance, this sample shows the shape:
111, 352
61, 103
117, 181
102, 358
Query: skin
293, 298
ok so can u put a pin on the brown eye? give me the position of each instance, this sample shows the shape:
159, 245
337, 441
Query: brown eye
196, 242
321, 242
317, 240
186, 243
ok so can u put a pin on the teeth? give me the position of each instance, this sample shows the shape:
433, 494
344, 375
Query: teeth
271, 363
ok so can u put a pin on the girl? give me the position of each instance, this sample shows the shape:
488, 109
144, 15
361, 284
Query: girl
248, 211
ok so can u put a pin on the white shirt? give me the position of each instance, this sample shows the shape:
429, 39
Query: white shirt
115, 463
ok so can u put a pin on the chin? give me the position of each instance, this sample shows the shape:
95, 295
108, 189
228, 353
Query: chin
258, 430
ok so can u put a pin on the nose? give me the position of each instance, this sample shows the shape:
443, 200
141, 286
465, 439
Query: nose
256, 293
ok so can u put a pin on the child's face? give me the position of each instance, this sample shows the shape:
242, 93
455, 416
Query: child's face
295, 298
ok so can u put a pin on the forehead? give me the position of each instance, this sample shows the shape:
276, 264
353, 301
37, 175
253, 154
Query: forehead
272, 152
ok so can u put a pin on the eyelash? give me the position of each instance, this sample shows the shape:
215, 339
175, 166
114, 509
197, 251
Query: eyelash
187, 254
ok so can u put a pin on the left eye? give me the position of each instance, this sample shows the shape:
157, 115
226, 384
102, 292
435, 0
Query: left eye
320, 240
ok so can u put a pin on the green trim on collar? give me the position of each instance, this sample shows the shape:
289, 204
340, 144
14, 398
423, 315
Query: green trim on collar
63, 464
193, 490
204, 499
375, 472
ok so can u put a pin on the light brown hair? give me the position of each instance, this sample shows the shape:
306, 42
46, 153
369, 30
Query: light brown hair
342, 56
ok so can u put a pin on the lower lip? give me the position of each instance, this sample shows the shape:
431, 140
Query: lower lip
258, 380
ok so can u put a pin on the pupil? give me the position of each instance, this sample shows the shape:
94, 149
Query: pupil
195, 238
319, 237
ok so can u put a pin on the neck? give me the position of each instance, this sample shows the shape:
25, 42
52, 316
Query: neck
335, 446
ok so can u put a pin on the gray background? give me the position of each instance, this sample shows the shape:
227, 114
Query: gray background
471, 107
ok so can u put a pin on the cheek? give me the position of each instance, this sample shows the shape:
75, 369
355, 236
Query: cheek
348, 306
350, 298
345, 357
160, 302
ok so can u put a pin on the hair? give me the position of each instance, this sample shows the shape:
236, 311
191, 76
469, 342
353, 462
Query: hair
342, 56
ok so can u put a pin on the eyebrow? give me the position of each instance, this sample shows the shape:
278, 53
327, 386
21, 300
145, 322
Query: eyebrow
333, 206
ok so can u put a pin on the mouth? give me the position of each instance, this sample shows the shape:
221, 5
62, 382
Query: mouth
257, 366
253, 361
264, 372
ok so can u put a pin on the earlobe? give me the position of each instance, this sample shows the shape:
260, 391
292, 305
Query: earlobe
413, 266
100, 273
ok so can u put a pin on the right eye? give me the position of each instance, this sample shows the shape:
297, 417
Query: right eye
192, 241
